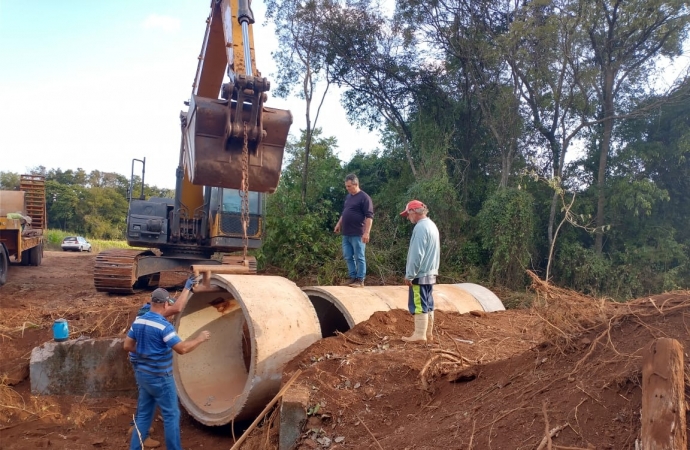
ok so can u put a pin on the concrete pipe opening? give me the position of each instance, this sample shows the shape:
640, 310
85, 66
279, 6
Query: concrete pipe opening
339, 308
257, 324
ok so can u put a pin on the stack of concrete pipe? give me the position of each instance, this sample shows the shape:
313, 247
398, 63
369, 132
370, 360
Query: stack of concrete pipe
260, 323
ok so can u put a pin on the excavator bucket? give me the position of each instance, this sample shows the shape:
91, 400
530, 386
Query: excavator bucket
213, 158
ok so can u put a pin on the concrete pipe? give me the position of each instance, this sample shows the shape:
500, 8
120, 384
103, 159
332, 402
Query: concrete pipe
339, 308
257, 324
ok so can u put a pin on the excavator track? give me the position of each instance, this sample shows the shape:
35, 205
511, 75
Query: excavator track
116, 270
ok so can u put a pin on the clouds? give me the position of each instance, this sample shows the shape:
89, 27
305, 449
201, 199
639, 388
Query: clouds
165, 23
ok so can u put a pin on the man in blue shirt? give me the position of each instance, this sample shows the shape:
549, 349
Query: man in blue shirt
152, 338
355, 223
423, 260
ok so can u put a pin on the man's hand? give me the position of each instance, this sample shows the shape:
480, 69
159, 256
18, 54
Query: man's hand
204, 336
337, 228
191, 282
408, 282
365, 238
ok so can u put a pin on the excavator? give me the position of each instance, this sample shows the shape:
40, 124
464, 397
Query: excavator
230, 157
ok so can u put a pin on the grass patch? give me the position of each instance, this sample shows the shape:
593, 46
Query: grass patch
54, 239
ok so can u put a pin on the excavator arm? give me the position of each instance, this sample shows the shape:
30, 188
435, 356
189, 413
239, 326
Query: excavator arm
235, 136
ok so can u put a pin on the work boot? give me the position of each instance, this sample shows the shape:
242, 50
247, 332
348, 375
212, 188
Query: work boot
421, 321
151, 443
430, 328
357, 283
131, 428
349, 282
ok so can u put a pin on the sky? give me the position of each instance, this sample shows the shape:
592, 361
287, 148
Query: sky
93, 84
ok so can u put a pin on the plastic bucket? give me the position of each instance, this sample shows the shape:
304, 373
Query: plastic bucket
60, 330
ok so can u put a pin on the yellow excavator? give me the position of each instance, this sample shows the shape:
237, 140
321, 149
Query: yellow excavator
231, 153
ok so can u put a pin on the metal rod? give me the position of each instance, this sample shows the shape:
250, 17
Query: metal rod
247, 52
131, 178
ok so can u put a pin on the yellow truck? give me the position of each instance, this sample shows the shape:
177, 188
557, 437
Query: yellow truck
23, 221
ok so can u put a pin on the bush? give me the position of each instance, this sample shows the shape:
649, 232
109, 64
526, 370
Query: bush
506, 228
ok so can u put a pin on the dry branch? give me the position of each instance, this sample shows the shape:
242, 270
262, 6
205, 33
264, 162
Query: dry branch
551, 433
280, 393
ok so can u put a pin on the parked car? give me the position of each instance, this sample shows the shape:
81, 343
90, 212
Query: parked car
75, 243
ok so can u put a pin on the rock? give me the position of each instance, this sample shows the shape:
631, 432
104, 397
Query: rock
97, 367
477, 313
293, 415
369, 392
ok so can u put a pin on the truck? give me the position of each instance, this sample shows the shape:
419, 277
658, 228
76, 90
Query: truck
230, 157
23, 221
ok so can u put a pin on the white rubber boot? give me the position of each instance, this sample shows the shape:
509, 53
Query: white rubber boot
420, 324
430, 328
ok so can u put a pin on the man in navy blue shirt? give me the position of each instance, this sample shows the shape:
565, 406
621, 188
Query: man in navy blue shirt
152, 338
355, 224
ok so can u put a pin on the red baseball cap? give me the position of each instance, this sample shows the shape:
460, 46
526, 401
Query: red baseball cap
412, 204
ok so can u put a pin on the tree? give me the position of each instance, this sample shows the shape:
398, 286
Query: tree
300, 60
624, 39
376, 65
539, 48
9, 181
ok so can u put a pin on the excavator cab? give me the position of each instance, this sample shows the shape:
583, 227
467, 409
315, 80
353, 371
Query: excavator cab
226, 218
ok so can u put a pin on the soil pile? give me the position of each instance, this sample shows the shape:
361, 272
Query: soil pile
568, 368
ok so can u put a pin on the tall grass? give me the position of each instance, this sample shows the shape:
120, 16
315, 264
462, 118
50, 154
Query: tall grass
54, 239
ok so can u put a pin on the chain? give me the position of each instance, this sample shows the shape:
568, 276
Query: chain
244, 193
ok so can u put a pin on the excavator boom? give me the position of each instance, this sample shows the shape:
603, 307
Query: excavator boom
219, 133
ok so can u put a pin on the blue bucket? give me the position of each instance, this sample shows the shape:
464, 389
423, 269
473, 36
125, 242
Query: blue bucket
60, 330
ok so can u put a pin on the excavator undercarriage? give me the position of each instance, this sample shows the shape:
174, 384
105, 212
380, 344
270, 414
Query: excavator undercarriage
120, 271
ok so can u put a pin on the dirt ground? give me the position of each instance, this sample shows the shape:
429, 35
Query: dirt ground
494, 381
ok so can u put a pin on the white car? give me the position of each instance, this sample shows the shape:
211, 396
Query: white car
75, 243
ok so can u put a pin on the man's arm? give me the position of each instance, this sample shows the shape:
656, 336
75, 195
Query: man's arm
190, 344
179, 304
181, 301
367, 229
414, 256
368, 210
130, 345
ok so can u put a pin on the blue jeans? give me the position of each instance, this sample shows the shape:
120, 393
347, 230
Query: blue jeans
157, 390
353, 252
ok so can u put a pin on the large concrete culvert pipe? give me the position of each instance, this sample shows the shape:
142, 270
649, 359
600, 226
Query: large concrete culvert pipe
257, 324
339, 308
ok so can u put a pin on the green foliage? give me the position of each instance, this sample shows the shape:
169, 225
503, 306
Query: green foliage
582, 269
505, 225
660, 265
299, 238
9, 181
